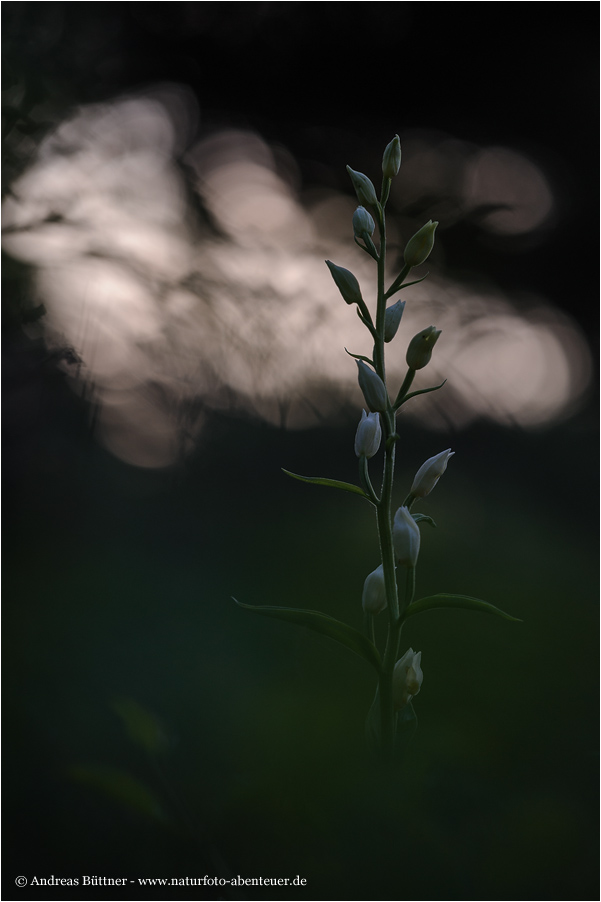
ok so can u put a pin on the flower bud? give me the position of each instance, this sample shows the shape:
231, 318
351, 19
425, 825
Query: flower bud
405, 537
429, 473
420, 347
392, 319
363, 224
419, 247
407, 678
346, 283
374, 390
391, 161
364, 189
374, 592
369, 435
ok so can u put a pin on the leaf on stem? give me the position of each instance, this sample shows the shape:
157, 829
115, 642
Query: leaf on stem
394, 288
455, 601
413, 394
367, 322
334, 483
324, 624
419, 517
368, 250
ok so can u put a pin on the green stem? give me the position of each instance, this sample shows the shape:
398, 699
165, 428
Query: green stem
408, 502
381, 301
365, 480
388, 713
384, 515
396, 285
407, 381
409, 588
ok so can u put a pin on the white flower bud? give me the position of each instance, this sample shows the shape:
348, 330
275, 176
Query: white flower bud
429, 473
364, 189
420, 347
391, 161
374, 390
346, 283
407, 678
420, 245
369, 435
363, 223
374, 592
392, 319
406, 537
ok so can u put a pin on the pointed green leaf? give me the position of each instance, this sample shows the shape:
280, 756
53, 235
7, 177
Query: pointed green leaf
409, 284
397, 287
413, 394
455, 601
334, 483
360, 357
324, 624
419, 517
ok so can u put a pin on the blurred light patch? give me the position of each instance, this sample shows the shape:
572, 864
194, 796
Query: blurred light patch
511, 191
173, 312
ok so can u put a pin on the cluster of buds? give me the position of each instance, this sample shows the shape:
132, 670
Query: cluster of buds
399, 536
407, 677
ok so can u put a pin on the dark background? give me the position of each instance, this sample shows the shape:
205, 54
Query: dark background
117, 580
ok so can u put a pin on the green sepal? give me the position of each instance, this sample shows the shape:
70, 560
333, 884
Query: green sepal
334, 483
393, 290
413, 394
367, 322
370, 249
419, 517
398, 283
360, 357
455, 601
326, 625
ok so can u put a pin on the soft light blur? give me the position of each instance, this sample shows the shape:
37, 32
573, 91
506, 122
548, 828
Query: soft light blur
169, 316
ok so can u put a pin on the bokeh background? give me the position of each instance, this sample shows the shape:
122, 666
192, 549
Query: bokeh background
174, 177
